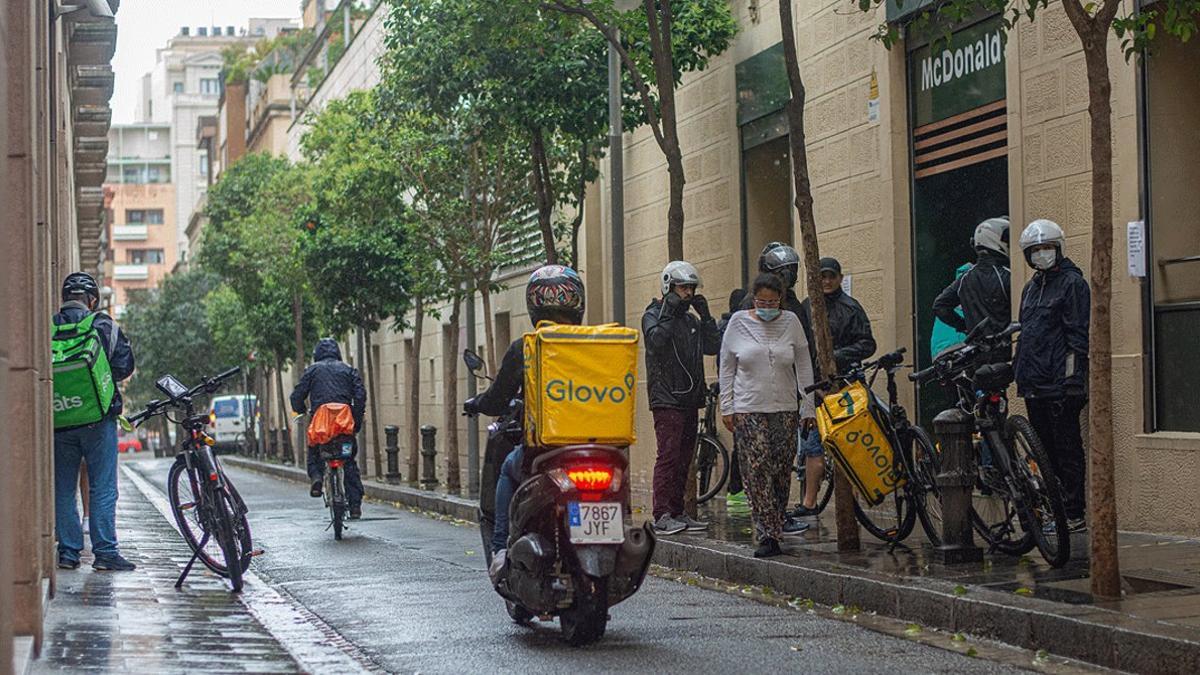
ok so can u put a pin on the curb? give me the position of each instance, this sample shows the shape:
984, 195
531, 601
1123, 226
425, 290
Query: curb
1081, 632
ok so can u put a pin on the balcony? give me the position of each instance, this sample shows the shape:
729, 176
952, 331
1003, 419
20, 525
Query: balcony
130, 232
131, 272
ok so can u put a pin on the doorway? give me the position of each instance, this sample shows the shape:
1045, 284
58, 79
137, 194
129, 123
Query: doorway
767, 199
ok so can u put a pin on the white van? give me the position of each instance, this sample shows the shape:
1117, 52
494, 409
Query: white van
228, 419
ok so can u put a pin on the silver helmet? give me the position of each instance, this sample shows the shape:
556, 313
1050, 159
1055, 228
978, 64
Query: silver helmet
992, 234
680, 273
1041, 232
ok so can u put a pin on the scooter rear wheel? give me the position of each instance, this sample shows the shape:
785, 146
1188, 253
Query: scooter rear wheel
586, 620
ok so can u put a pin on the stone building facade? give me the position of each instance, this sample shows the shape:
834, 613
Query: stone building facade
56, 82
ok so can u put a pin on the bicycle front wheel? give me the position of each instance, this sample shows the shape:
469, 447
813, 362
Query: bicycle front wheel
926, 464
1045, 516
712, 467
188, 505
994, 511
892, 521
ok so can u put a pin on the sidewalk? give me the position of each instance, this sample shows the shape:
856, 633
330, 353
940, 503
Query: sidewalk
137, 622
1022, 602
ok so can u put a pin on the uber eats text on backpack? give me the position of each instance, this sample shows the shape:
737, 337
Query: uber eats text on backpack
83, 379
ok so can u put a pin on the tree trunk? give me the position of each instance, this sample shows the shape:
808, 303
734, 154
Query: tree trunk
300, 360
580, 202
450, 394
265, 409
373, 399
285, 435
1105, 569
847, 526
489, 326
543, 191
413, 366
659, 17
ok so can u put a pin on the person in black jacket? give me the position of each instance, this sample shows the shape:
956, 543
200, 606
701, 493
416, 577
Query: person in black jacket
331, 380
676, 343
984, 291
1051, 365
554, 293
853, 342
94, 445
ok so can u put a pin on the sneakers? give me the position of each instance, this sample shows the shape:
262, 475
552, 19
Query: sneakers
316, 490
692, 524
803, 511
65, 563
768, 548
113, 563
1075, 525
355, 512
736, 499
794, 528
668, 525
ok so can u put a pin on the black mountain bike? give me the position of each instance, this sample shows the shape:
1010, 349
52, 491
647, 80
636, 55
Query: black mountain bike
914, 455
1020, 502
208, 509
712, 459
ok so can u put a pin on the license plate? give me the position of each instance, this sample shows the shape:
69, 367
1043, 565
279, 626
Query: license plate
595, 522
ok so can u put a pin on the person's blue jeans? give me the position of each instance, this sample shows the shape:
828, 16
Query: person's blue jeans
95, 444
506, 486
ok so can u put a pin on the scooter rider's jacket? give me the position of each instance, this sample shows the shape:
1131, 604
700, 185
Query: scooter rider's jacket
983, 293
676, 343
849, 327
118, 350
1052, 352
510, 379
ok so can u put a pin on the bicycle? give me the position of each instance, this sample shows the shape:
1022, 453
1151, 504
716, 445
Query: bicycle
210, 513
712, 459
334, 454
915, 458
1015, 475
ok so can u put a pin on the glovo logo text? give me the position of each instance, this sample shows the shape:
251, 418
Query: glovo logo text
573, 392
883, 461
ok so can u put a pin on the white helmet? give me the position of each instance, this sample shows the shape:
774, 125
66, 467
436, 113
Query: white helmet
992, 234
679, 273
1039, 232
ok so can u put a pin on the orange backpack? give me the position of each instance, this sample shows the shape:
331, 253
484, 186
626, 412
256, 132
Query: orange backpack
330, 421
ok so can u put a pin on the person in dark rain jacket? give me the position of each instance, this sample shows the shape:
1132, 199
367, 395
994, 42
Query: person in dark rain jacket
676, 343
1051, 365
983, 292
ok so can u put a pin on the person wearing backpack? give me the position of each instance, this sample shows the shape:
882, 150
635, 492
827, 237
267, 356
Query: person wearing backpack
90, 356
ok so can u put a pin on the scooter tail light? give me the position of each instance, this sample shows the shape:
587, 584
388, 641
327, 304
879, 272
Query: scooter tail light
561, 479
591, 478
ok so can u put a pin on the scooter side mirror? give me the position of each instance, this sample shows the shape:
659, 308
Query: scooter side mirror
474, 362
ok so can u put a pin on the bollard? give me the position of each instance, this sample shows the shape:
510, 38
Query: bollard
956, 483
429, 455
392, 448
273, 448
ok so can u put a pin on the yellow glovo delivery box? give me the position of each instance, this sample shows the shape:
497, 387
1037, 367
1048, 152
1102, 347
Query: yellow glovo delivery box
580, 384
851, 431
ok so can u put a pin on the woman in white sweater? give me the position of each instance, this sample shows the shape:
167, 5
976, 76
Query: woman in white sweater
765, 366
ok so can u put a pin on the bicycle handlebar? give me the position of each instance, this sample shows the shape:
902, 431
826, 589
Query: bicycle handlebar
210, 385
887, 361
955, 360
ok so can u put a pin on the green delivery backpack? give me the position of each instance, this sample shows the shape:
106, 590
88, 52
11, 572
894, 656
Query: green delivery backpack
83, 380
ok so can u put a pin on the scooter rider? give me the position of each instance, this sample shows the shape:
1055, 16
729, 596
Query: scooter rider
331, 380
984, 291
555, 293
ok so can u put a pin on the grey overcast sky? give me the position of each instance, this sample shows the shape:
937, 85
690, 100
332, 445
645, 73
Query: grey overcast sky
143, 26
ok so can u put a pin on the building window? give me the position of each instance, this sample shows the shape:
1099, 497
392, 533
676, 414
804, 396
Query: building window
177, 87
209, 86
131, 175
154, 175
145, 256
144, 216
203, 165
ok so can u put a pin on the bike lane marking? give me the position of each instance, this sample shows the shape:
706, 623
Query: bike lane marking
315, 645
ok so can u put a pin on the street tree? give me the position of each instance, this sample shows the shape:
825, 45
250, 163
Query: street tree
660, 43
357, 253
1136, 27
515, 66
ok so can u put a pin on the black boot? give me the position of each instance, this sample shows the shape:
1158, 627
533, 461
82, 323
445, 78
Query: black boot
356, 512
316, 489
768, 548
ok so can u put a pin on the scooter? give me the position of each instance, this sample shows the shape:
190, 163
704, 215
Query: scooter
572, 550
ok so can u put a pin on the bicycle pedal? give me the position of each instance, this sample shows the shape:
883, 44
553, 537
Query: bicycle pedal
256, 552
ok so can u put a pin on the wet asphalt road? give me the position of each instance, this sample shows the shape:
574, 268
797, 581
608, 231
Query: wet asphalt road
411, 594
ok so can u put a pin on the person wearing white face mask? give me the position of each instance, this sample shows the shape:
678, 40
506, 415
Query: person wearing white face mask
1051, 364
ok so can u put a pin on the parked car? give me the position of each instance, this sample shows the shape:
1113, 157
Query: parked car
129, 443
228, 419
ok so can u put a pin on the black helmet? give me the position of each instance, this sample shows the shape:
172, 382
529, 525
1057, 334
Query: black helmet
78, 283
781, 259
555, 293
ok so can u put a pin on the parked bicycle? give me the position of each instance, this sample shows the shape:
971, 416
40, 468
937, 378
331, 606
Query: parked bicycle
915, 459
712, 459
1021, 502
210, 513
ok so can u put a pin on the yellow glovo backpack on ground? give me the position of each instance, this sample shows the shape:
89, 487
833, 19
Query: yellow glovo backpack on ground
853, 435
580, 385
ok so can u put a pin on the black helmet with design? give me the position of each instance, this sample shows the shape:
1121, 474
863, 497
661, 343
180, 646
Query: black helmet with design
781, 259
555, 293
80, 283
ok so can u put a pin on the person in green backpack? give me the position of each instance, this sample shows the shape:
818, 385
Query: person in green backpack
90, 356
